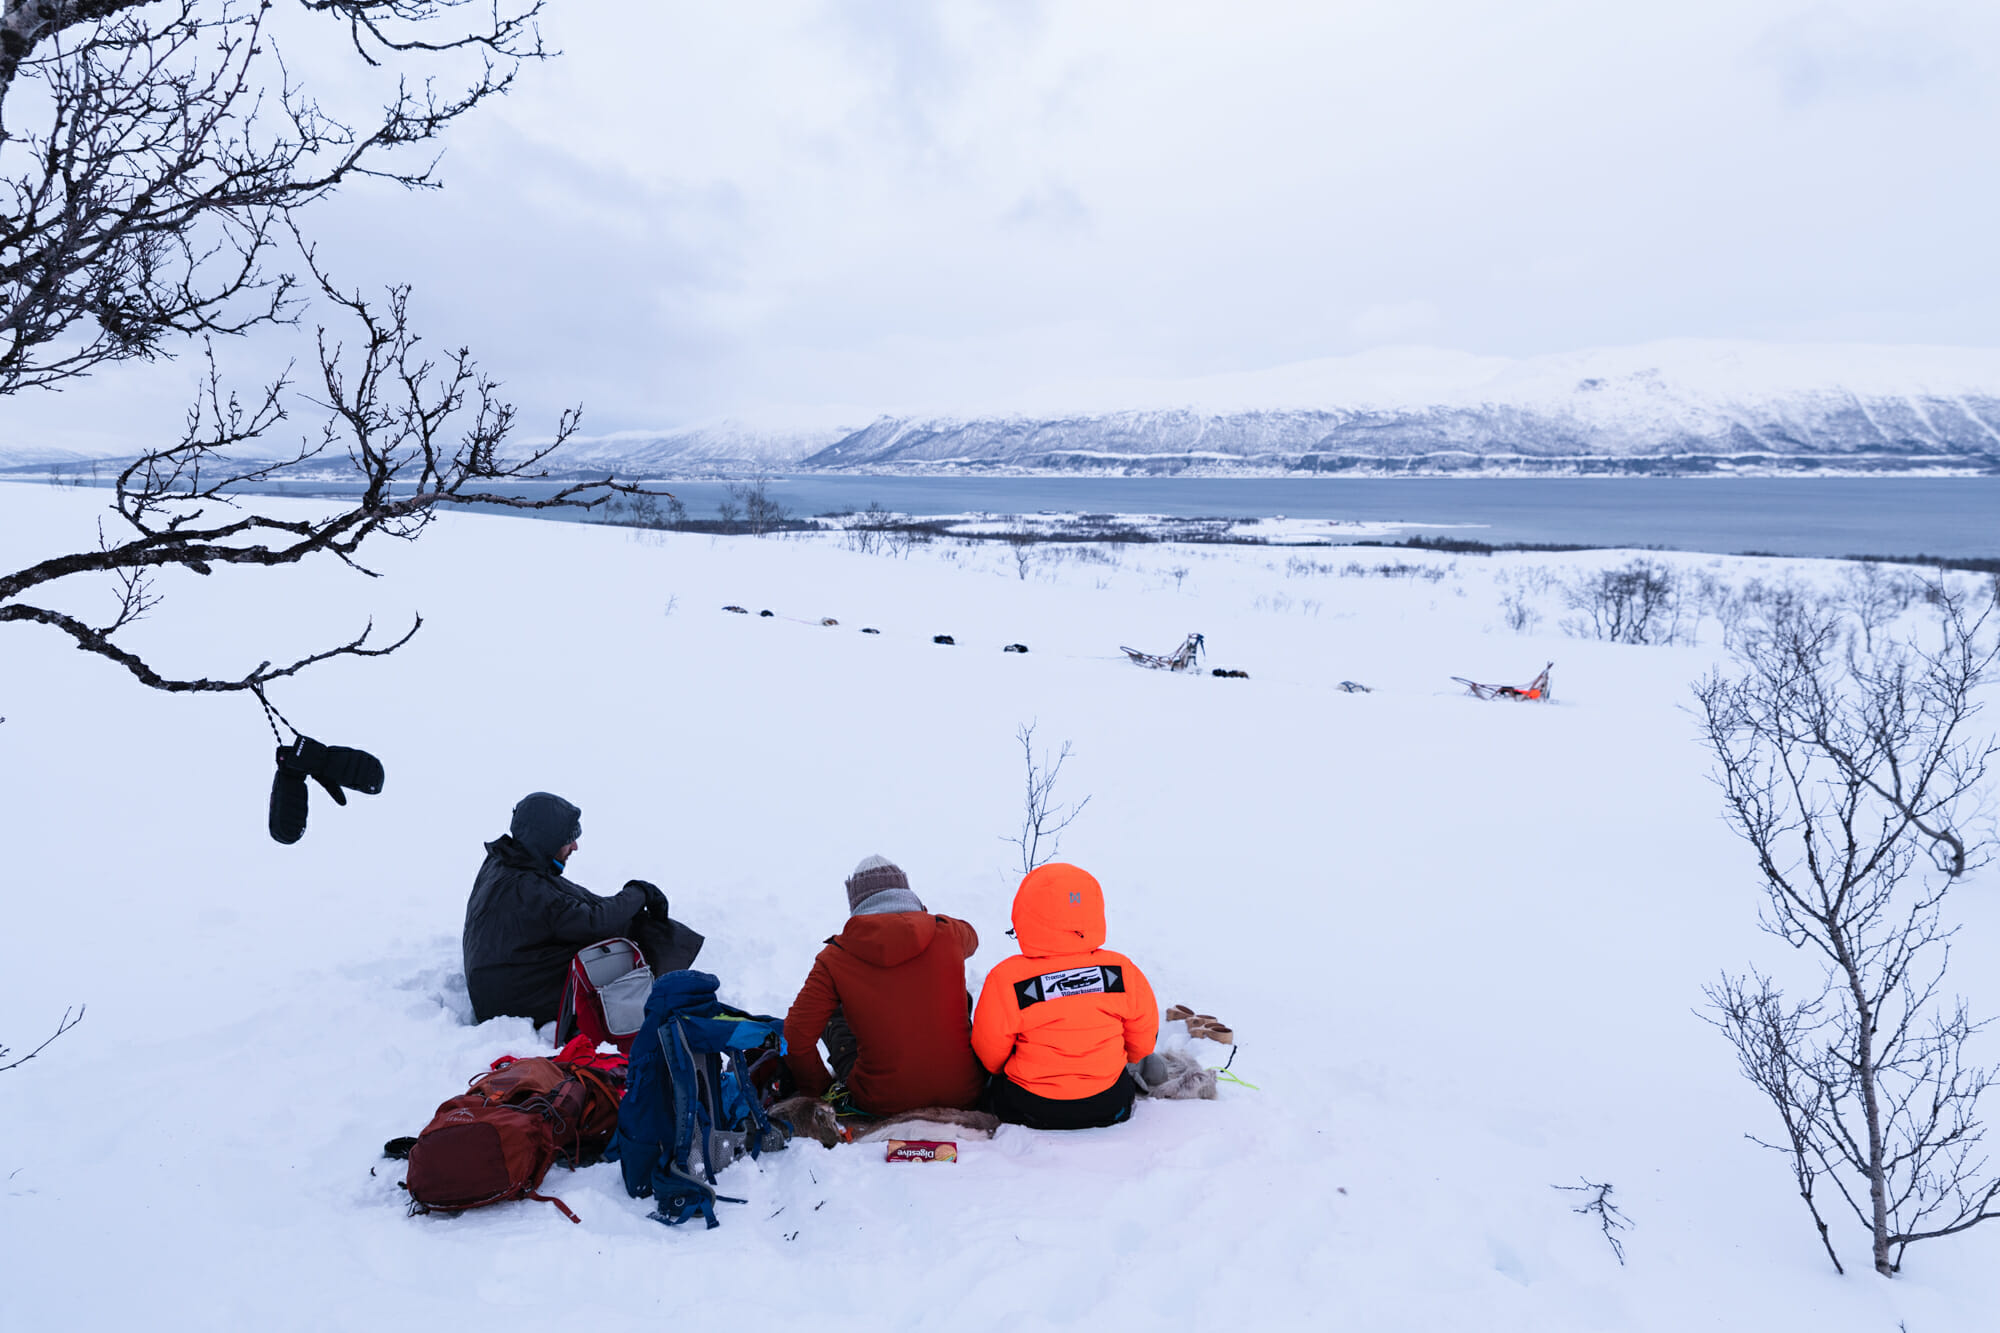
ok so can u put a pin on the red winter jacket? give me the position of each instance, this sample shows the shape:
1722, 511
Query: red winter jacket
899, 980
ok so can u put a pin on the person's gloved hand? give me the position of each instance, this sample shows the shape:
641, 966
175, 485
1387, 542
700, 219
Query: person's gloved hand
656, 901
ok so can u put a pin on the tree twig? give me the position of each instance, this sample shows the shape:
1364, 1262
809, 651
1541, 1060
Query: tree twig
65, 1024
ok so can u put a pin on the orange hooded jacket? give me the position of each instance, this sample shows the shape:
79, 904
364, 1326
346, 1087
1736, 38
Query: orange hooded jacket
1063, 1017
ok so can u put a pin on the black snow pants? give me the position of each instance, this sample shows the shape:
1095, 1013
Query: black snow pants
1017, 1106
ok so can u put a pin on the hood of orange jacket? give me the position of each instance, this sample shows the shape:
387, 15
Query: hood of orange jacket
1059, 909
889, 939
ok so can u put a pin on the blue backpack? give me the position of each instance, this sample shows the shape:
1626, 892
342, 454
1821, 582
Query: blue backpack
690, 1104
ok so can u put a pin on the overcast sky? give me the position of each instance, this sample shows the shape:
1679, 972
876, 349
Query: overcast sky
704, 208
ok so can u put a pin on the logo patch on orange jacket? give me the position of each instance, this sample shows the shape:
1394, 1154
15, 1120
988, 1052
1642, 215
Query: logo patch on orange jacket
1072, 981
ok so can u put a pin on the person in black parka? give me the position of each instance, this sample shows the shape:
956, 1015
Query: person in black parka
524, 921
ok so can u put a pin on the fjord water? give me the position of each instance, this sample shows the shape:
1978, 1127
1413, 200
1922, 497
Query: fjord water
1957, 517
1954, 517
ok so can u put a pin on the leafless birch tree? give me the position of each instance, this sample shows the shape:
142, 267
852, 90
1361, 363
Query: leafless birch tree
1640, 602
1854, 776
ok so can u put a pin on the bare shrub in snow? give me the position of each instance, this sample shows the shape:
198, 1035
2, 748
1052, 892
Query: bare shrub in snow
867, 531
761, 513
1759, 603
1283, 604
1610, 1220
1852, 775
643, 510
1021, 541
1057, 553
1042, 819
1874, 597
1525, 585
875, 529
1354, 569
1706, 596
1639, 602
636, 511
1520, 616
1535, 579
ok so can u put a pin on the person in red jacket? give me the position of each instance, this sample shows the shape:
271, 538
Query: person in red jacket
1059, 1022
888, 994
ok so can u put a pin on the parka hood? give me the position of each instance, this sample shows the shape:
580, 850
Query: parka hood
511, 853
887, 939
1058, 909
545, 823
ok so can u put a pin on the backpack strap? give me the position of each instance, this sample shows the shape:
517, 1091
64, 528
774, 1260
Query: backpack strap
561, 1207
708, 1070
681, 1075
755, 1102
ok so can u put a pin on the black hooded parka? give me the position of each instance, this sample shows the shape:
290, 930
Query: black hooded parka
523, 924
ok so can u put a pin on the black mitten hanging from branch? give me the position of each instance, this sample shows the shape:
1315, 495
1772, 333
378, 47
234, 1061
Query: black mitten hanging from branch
331, 766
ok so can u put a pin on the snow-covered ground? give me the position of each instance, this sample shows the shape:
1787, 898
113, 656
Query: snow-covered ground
1462, 944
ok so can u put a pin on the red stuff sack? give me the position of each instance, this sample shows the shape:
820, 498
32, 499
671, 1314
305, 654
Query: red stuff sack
604, 996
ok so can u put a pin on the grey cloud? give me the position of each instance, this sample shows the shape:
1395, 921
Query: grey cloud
1053, 205
703, 209
1832, 53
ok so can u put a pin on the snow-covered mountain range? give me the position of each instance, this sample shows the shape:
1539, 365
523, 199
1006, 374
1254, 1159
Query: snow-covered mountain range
1661, 408
1691, 406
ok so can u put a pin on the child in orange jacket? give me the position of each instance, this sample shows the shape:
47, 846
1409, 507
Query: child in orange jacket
1058, 1023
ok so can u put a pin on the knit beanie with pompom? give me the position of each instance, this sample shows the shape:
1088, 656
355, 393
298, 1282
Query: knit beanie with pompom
878, 875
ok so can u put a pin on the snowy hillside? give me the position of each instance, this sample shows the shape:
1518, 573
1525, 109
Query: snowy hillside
1462, 944
1663, 408
36, 460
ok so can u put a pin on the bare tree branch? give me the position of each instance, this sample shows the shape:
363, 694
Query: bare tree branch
168, 149
98, 641
417, 434
63, 1025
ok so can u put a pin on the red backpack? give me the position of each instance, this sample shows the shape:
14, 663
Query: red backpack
496, 1141
604, 996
